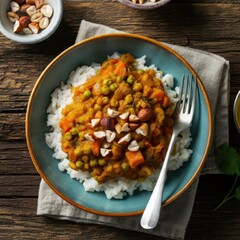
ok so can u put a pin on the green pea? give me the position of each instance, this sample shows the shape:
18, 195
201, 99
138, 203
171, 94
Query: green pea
140, 71
97, 107
114, 102
130, 80
93, 163
128, 99
119, 79
124, 166
87, 94
74, 131
105, 100
102, 162
81, 120
87, 150
68, 135
78, 151
81, 136
79, 164
107, 82
113, 87
105, 90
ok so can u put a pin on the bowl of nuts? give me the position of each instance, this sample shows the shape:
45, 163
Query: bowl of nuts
30, 21
144, 4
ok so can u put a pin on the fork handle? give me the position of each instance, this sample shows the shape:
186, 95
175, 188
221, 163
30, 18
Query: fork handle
151, 213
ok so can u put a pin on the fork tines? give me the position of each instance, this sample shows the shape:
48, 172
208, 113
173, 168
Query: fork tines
187, 94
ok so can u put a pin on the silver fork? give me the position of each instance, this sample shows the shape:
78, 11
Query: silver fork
183, 117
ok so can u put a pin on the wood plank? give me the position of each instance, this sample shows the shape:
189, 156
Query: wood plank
12, 127
15, 159
19, 185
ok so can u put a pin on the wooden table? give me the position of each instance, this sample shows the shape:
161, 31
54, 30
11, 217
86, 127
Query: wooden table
210, 25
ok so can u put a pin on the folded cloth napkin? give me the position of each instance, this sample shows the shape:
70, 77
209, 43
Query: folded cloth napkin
214, 72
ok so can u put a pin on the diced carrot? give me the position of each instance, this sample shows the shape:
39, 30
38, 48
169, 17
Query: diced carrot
65, 125
95, 146
112, 60
158, 93
71, 155
98, 114
134, 158
165, 101
147, 91
108, 70
120, 69
65, 146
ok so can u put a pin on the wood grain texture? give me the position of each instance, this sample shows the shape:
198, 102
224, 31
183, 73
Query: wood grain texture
209, 25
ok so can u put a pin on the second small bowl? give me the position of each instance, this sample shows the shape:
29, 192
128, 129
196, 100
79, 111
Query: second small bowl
146, 5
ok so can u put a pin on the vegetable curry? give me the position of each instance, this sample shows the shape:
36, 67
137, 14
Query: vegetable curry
119, 123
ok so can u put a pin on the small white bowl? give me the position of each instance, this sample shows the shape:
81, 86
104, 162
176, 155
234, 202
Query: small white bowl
6, 27
146, 5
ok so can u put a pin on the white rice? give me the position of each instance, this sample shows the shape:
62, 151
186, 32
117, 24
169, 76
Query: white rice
116, 188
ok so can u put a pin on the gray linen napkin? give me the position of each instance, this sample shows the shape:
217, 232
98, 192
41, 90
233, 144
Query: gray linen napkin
214, 72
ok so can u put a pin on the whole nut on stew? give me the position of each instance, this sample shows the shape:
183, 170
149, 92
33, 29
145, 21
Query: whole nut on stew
108, 123
145, 114
44, 22
12, 16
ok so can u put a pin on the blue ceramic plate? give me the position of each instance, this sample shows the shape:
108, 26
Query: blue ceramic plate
96, 49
